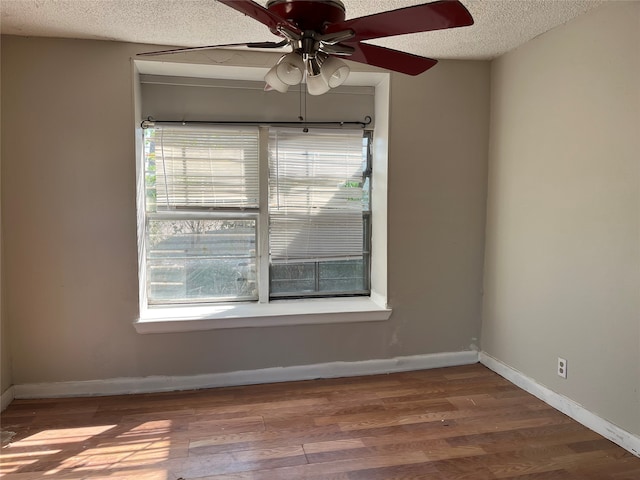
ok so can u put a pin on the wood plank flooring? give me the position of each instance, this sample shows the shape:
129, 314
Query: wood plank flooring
451, 423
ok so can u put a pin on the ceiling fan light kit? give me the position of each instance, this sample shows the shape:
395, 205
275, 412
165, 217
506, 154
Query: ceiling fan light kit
316, 85
335, 72
290, 69
318, 34
273, 82
309, 61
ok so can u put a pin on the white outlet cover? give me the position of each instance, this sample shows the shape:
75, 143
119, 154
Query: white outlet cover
562, 367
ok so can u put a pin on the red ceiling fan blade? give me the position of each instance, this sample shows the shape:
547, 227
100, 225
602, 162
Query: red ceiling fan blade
261, 14
390, 59
215, 47
419, 18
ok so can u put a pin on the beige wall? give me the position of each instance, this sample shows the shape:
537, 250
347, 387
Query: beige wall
562, 265
5, 347
70, 239
171, 97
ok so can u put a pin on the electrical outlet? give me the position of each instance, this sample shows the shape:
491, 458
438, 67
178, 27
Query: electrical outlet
562, 367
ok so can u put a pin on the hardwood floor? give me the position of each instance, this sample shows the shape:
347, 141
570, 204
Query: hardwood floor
451, 423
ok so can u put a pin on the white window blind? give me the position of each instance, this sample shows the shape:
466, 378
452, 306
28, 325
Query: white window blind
205, 167
315, 195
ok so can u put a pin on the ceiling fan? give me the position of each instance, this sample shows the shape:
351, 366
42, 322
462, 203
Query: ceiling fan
318, 34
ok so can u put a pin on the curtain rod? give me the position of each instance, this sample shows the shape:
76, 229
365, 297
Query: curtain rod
150, 123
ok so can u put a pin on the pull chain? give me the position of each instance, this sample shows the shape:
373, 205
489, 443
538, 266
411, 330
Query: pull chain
300, 116
302, 100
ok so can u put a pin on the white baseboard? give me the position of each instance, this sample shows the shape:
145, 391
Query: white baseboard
6, 398
626, 440
120, 386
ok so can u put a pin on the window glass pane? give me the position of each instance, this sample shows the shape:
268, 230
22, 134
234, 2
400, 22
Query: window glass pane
319, 193
201, 260
315, 194
293, 278
208, 167
341, 276
318, 278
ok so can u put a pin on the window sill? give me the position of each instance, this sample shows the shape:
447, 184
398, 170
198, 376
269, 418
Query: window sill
275, 313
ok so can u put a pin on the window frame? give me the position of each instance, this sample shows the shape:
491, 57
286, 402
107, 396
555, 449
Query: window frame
256, 213
264, 313
244, 206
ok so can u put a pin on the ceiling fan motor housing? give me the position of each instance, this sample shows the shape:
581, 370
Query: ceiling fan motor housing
307, 15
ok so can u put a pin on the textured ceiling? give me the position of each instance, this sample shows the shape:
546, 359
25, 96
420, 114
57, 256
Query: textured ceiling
500, 25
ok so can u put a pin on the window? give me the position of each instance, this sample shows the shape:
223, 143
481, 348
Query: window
211, 237
318, 212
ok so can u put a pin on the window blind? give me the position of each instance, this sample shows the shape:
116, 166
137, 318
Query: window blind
204, 166
315, 195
